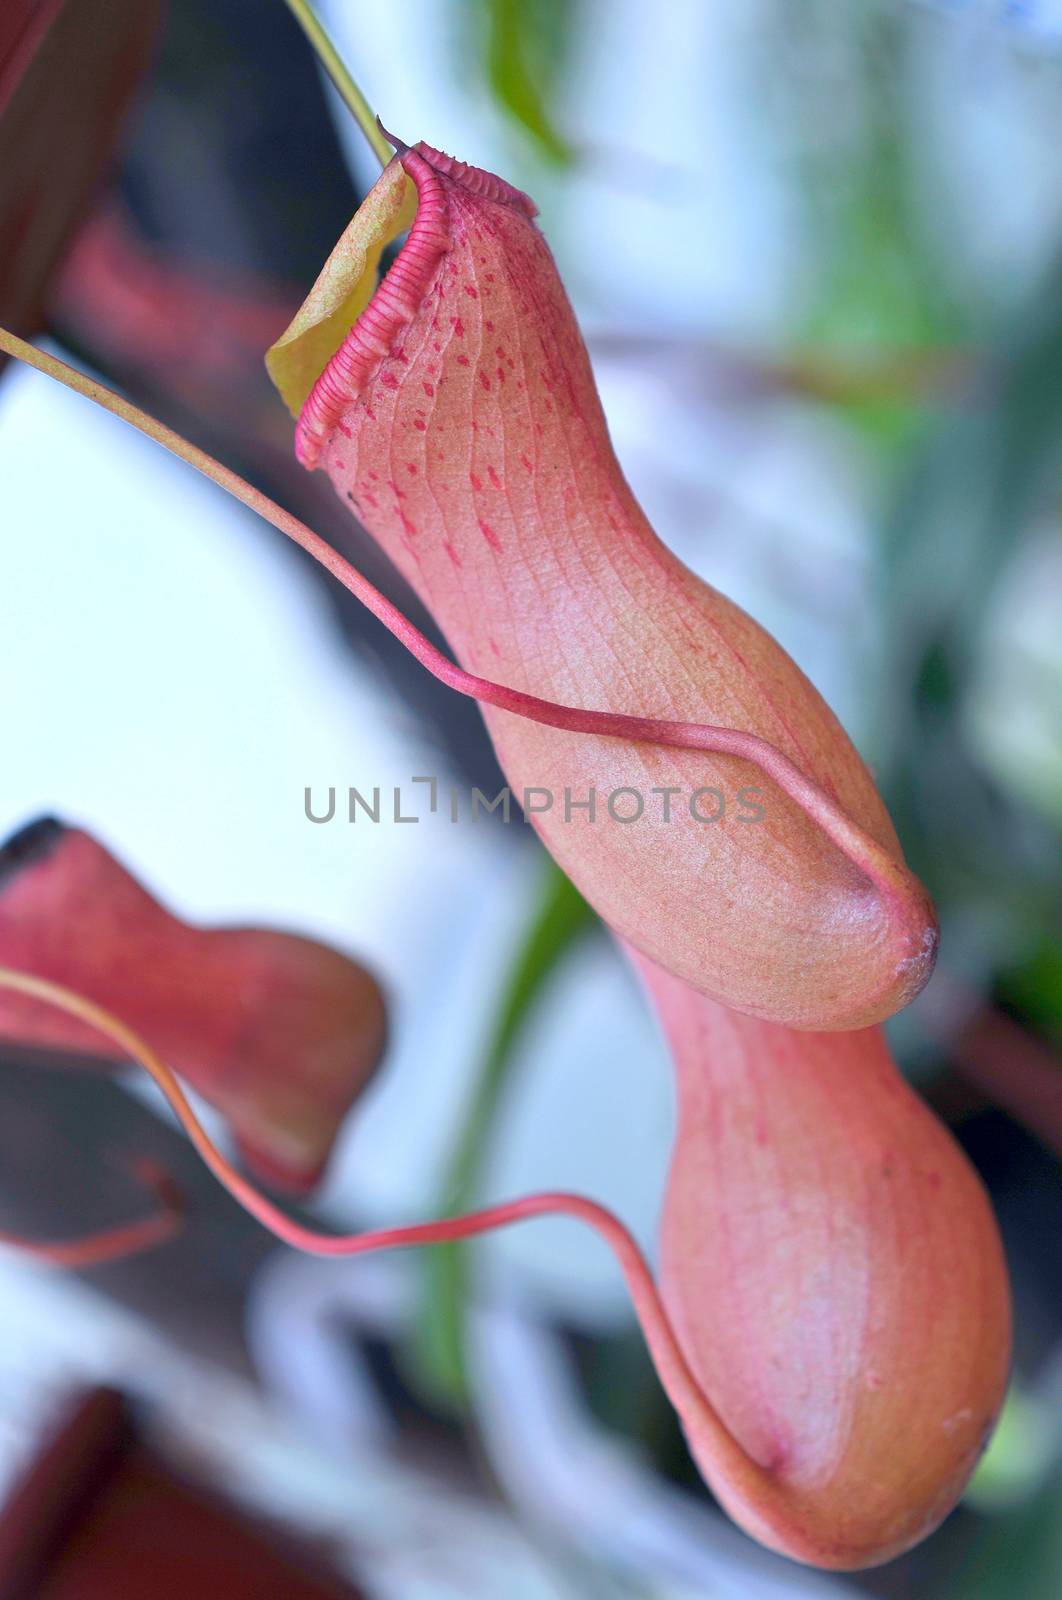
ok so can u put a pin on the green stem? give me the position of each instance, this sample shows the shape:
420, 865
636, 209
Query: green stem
333, 63
560, 916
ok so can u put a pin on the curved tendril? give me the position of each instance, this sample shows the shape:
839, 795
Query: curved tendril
113, 1244
889, 876
675, 1375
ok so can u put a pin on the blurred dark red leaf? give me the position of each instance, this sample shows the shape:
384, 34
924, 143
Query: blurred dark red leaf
68, 70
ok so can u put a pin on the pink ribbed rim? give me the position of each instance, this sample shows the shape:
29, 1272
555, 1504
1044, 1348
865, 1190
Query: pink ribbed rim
398, 296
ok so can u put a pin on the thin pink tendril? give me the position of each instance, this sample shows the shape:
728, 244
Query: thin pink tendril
113, 1244
678, 1380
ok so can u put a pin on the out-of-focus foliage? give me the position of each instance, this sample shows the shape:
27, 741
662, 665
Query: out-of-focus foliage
979, 484
1016, 1555
560, 917
969, 441
523, 48
876, 281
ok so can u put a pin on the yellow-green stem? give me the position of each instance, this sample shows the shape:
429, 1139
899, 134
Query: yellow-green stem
333, 63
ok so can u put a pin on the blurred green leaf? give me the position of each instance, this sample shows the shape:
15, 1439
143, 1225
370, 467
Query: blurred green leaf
1019, 1457
1032, 986
1017, 1556
977, 486
876, 287
524, 48
560, 917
